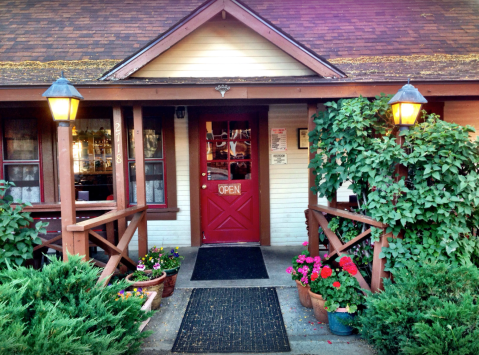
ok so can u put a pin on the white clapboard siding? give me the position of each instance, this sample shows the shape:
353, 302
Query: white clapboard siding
289, 183
178, 232
223, 48
463, 113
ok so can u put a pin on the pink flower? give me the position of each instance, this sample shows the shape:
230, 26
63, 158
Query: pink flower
326, 256
305, 244
317, 259
157, 266
302, 257
309, 260
299, 261
304, 280
289, 270
305, 270
140, 267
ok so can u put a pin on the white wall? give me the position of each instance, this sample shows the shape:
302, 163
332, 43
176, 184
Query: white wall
178, 232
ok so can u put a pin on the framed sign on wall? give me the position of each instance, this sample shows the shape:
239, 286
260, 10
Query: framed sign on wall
303, 138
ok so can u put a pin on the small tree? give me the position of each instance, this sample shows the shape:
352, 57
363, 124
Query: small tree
17, 239
437, 206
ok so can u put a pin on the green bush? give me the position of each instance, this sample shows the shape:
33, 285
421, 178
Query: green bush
16, 238
427, 310
61, 310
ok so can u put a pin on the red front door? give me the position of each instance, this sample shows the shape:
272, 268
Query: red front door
229, 178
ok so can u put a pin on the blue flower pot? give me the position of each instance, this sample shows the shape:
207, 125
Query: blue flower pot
337, 321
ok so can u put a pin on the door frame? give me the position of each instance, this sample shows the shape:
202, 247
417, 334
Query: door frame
263, 161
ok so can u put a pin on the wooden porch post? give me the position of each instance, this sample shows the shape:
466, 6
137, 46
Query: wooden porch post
67, 193
312, 197
140, 178
120, 178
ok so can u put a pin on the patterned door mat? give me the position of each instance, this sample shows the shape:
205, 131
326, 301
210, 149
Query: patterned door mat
229, 263
232, 320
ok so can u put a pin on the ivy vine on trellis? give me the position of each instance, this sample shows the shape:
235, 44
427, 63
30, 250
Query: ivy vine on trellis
436, 207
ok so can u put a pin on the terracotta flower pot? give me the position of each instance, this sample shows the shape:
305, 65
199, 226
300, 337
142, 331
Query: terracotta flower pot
318, 305
155, 285
170, 282
146, 308
303, 292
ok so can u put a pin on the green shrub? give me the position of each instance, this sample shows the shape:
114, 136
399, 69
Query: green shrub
16, 239
428, 310
61, 310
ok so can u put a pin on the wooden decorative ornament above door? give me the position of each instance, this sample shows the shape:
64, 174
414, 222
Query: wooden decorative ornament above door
229, 178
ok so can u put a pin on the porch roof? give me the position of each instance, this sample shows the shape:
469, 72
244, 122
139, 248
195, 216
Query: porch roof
436, 40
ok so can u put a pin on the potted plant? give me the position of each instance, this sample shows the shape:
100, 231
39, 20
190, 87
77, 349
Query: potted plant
169, 262
341, 293
140, 293
303, 266
149, 280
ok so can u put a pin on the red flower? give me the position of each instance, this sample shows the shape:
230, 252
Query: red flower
345, 260
314, 276
336, 284
326, 272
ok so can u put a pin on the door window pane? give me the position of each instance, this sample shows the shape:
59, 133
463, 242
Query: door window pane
92, 159
217, 150
27, 181
241, 170
217, 171
155, 183
240, 130
152, 138
21, 139
240, 150
216, 130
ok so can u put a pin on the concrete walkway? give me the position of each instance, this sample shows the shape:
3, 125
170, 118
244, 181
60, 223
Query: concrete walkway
306, 336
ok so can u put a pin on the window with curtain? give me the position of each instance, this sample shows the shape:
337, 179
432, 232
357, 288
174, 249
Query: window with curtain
154, 162
21, 159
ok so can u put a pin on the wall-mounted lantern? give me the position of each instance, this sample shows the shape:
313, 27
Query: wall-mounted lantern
406, 105
63, 100
180, 112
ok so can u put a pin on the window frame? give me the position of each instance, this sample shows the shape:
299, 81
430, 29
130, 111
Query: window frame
4, 162
132, 160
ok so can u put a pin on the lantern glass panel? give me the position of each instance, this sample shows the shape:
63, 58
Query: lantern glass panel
60, 107
405, 114
74, 109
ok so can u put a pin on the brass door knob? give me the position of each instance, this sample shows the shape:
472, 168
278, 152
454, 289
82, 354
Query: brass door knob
203, 174
203, 187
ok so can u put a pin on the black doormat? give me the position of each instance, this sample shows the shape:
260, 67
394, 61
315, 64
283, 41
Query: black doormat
229, 263
232, 320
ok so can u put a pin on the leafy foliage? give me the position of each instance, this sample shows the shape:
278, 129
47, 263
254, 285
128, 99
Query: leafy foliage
427, 310
61, 310
436, 206
16, 238
162, 259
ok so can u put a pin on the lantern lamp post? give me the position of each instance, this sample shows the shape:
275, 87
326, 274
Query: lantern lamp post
406, 105
64, 100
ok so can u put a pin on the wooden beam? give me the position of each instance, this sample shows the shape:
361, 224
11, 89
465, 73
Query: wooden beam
351, 242
378, 272
67, 188
349, 215
106, 218
105, 244
195, 202
46, 243
264, 183
81, 244
158, 93
119, 138
140, 178
313, 240
312, 197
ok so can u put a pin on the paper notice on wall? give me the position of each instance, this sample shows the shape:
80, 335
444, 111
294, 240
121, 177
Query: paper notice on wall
279, 159
278, 139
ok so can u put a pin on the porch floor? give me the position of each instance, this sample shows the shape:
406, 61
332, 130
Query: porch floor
305, 335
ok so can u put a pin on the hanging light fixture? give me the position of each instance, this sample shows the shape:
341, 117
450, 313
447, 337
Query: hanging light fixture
406, 105
63, 100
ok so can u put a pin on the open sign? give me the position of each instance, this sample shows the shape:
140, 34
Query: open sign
229, 189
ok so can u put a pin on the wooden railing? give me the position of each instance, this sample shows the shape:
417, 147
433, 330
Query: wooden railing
83, 233
317, 218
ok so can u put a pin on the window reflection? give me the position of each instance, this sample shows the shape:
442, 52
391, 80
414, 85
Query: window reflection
27, 182
21, 139
241, 170
240, 130
92, 159
240, 150
154, 181
216, 150
216, 130
217, 171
